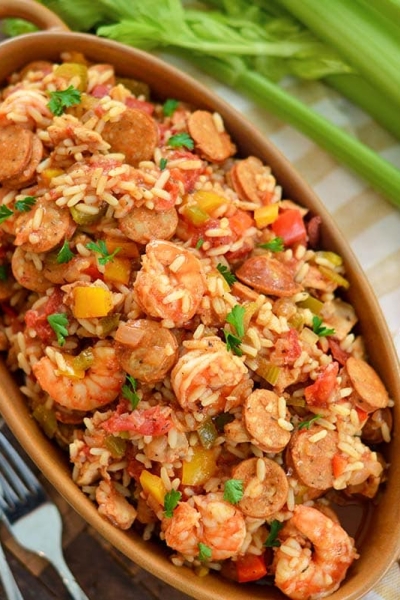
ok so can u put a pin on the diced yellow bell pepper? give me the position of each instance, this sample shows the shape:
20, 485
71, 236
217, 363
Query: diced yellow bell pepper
153, 485
91, 301
208, 201
118, 270
265, 215
127, 248
76, 71
330, 256
48, 174
200, 468
71, 369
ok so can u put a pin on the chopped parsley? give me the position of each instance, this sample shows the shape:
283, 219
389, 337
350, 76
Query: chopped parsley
204, 552
233, 490
5, 212
169, 107
226, 274
163, 163
3, 273
308, 422
275, 245
320, 329
129, 391
171, 500
101, 248
236, 319
62, 99
272, 541
25, 204
65, 254
180, 140
58, 322
199, 243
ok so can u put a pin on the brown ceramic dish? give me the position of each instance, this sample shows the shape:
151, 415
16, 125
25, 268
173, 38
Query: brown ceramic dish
381, 544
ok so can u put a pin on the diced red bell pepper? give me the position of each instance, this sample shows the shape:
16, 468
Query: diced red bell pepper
250, 567
319, 392
290, 227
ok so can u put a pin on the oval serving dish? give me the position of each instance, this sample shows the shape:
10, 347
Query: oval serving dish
381, 538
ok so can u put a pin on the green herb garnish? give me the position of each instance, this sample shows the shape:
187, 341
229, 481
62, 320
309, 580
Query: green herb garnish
129, 391
171, 500
199, 243
169, 107
58, 322
233, 490
5, 212
62, 99
25, 204
65, 254
320, 329
306, 424
101, 248
226, 274
274, 529
180, 140
163, 163
204, 552
236, 319
275, 245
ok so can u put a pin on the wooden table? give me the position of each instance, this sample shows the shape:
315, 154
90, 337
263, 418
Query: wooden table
101, 570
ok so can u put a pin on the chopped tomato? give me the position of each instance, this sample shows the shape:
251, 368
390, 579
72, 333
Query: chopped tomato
150, 421
319, 392
37, 319
133, 102
100, 90
338, 354
362, 415
287, 349
290, 227
250, 567
339, 463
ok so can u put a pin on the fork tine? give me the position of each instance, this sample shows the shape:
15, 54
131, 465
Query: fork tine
18, 474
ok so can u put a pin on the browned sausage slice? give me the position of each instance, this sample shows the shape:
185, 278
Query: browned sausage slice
312, 457
371, 394
135, 134
146, 349
143, 225
247, 177
212, 144
27, 175
268, 276
262, 497
15, 150
261, 417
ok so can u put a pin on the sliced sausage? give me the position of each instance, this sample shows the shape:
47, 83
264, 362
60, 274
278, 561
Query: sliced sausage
268, 276
47, 223
135, 134
311, 459
145, 349
262, 497
370, 393
15, 150
212, 144
27, 175
247, 177
143, 225
261, 416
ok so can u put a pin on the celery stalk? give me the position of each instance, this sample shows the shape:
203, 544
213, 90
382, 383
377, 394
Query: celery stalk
379, 173
359, 34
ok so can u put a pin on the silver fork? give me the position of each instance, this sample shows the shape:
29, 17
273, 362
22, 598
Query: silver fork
32, 518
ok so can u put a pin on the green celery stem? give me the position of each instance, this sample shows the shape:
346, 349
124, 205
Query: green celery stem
379, 173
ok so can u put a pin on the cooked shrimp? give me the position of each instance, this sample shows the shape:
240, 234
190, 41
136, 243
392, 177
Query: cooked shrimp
262, 420
114, 506
101, 384
314, 555
171, 282
143, 225
208, 378
43, 227
146, 349
209, 520
265, 487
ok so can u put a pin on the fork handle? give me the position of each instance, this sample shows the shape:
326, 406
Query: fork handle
68, 578
9, 583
